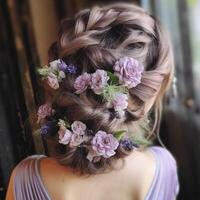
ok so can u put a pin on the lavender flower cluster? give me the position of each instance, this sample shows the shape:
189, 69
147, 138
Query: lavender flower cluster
127, 70
100, 144
55, 73
128, 73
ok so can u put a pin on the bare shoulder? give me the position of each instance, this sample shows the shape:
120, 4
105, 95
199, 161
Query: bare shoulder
141, 165
142, 161
53, 175
139, 168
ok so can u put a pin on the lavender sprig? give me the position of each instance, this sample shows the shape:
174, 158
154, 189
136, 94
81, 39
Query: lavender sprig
71, 69
128, 144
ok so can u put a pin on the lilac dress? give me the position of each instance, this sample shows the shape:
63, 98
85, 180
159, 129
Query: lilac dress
28, 184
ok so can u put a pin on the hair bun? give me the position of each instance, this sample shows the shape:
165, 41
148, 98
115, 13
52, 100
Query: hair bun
94, 41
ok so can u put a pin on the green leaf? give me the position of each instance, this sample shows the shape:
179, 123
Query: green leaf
110, 90
64, 123
43, 71
119, 134
67, 124
141, 141
61, 122
114, 80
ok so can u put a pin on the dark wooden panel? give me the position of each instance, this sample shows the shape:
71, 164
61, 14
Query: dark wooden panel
67, 8
17, 99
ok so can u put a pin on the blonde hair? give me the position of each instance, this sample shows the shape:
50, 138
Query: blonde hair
94, 39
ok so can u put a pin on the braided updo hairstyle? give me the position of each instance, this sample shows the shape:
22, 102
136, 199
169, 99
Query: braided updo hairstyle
95, 39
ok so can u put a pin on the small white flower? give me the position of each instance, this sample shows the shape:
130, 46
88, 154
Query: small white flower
61, 75
54, 64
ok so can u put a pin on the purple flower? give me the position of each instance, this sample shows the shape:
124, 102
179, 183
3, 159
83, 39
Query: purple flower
64, 136
76, 140
52, 81
128, 144
82, 82
55, 70
44, 129
104, 144
61, 132
47, 128
129, 71
120, 101
78, 127
71, 69
99, 81
44, 111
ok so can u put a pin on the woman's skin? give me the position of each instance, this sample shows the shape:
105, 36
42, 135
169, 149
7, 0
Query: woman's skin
130, 181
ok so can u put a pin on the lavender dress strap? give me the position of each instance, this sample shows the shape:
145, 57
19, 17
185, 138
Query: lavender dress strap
27, 181
165, 184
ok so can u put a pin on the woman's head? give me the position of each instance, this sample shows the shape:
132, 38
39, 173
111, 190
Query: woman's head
96, 39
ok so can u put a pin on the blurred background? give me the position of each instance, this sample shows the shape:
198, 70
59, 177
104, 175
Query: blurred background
28, 27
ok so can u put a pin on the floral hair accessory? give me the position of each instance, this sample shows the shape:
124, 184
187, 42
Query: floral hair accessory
82, 82
64, 136
98, 145
113, 86
47, 128
128, 144
70, 69
120, 102
73, 137
52, 81
78, 127
106, 84
99, 81
129, 71
102, 144
55, 72
44, 111
44, 130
